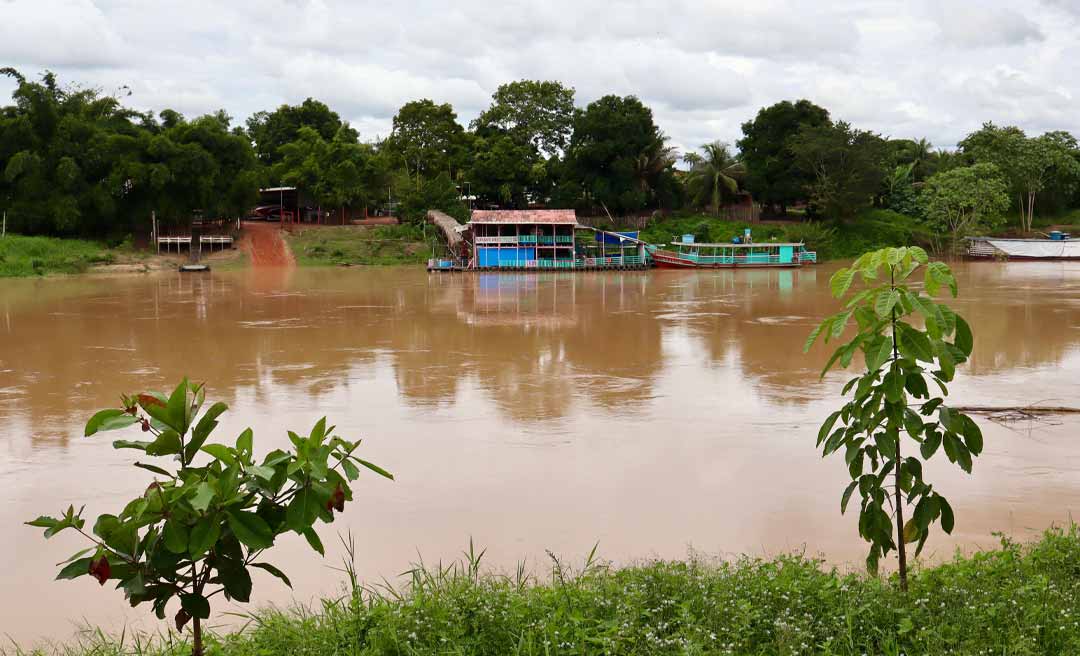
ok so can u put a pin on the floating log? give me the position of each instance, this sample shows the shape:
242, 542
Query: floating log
1028, 409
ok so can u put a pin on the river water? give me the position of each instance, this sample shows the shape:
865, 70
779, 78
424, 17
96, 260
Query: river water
652, 413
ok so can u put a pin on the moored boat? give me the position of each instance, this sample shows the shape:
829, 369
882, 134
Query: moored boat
732, 256
1058, 247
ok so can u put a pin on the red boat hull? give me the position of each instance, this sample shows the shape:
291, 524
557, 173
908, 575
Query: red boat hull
669, 260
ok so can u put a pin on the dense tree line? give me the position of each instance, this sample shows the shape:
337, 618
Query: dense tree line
76, 161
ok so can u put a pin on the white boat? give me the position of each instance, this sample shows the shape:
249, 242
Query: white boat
1061, 248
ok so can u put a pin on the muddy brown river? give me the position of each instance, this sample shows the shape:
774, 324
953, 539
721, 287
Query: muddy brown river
652, 413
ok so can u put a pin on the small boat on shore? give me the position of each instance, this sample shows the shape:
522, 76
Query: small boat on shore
732, 256
1058, 246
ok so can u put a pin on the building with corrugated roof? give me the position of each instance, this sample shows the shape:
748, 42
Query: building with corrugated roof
525, 239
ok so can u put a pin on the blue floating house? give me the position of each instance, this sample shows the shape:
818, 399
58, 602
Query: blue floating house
547, 240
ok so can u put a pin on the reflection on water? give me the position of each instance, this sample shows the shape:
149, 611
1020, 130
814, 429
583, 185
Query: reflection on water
649, 411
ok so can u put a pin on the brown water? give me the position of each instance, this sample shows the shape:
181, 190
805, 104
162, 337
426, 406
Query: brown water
653, 413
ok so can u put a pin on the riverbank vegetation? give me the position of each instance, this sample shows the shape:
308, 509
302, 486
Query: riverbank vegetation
76, 162
22, 256
1013, 599
368, 245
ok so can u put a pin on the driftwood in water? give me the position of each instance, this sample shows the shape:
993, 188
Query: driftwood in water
1027, 409
448, 226
1007, 414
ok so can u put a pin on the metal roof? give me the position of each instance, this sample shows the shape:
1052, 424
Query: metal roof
278, 189
512, 217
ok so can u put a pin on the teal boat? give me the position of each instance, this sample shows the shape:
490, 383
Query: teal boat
733, 256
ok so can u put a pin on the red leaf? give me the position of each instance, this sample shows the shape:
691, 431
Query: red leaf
182, 618
146, 399
145, 426
100, 570
337, 499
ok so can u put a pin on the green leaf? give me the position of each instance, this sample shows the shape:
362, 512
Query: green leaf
302, 510
275, 571
918, 254
823, 432
318, 432
153, 468
847, 496
235, 579
176, 536
947, 519
261, 471
110, 419
375, 468
972, 435
195, 605
915, 343
204, 535
839, 323
893, 385
911, 531
43, 521
244, 442
351, 472
964, 340
841, 282
166, 444
814, 335
250, 529
203, 429
880, 355
204, 494
129, 444
178, 407
885, 302
221, 452
313, 539
75, 569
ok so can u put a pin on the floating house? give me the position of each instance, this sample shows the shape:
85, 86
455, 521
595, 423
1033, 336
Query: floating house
546, 240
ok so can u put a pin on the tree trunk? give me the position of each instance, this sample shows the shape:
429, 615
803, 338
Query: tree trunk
196, 632
901, 546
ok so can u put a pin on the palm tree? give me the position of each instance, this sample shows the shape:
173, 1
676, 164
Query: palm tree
712, 173
652, 161
921, 153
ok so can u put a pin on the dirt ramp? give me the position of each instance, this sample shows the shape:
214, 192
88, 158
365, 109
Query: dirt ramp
265, 244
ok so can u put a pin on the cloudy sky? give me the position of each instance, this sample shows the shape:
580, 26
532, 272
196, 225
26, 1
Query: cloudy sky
905, 68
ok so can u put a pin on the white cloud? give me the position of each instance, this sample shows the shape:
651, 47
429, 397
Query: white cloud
905, 68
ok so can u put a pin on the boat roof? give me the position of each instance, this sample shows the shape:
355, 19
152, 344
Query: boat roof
1044, 239
730, 245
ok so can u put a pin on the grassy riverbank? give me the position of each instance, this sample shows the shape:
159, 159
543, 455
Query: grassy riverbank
339, 245
35, 256
1015, 599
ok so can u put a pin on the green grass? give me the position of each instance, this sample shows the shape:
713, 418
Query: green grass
1015, 600
400, 244
36, 256
871, 230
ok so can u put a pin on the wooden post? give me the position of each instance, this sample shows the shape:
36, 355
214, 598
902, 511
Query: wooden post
153, 229
3, 231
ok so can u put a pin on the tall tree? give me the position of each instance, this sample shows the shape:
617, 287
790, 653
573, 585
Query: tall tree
1029, 164
540, 113
617, 154
427, 140
272, 130
713, 174
772, 174
966, 199
845, 166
